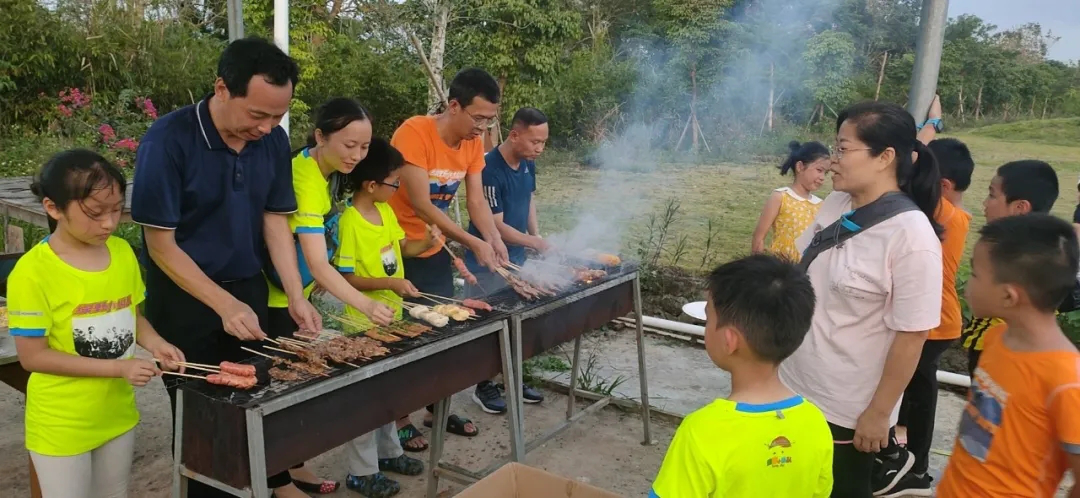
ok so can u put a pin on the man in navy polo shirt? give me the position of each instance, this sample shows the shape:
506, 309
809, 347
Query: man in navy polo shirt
509, 180
213, 190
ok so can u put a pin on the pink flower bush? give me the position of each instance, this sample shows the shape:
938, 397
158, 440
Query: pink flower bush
65, 110
128, 144
147, 106
107, 133
74, 98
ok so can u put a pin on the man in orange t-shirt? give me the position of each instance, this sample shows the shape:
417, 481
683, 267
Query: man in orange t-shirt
440, 151
919, 406
1019, 432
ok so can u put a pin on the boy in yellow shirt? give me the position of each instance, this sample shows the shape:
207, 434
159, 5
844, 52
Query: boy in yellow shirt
763, 439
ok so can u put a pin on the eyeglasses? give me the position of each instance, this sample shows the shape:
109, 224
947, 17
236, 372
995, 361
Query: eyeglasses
480, 121
837, 152
395, 186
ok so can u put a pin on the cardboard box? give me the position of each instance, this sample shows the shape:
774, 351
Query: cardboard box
515, 480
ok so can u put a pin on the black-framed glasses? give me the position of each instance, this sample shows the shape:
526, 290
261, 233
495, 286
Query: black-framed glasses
395, 186
479, 121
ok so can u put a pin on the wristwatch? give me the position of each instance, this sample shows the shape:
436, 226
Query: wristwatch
938, 126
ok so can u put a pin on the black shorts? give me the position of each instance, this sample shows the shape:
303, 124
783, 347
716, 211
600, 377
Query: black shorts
431, 275
194, 327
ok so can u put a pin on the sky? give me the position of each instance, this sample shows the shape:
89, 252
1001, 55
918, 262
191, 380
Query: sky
1060, 17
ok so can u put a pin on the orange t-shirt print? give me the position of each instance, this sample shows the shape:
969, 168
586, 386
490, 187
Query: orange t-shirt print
1019, 422
419, 142
957, 223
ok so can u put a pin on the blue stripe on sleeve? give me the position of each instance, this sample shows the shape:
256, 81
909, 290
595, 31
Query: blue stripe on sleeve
27, 332
652, 494
1072, 449
311, 230
346, 269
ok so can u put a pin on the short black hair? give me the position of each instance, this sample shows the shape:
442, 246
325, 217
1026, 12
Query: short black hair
954, 160
1036, 251
382, 160
768, 299
528, 116
473, 82
1029, 180
73, 176
247, 57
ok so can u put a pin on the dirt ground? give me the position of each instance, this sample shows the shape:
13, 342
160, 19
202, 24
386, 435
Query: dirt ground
603, 449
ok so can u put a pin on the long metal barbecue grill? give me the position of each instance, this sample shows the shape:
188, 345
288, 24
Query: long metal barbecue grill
233, 439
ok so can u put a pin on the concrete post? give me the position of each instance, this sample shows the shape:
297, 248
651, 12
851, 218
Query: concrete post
281, 38
235, 10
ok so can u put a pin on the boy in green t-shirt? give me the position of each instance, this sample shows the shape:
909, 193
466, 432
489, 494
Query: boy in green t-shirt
763, 439
370, 247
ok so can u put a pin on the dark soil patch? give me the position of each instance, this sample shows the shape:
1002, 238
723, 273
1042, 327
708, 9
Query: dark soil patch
665, 289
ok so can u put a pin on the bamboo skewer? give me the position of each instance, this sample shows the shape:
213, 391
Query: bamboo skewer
258, 353
282, 350
203, 377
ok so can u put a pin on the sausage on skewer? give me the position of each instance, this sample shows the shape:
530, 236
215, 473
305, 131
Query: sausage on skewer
224, 379
240, 370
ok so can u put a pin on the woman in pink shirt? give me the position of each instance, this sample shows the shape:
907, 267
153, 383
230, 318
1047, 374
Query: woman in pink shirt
878, 294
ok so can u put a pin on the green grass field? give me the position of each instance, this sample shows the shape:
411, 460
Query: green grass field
730, 196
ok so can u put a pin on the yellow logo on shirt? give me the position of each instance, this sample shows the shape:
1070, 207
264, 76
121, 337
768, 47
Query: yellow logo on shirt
779, 459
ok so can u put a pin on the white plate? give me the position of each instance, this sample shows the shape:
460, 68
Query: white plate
695, 309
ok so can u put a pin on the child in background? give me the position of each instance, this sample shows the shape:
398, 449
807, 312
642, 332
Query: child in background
789, 210
1020, 187
370, 247
763, 440
73, 310
918, 408
1019, 433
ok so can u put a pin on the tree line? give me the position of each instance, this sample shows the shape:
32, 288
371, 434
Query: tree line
703, 75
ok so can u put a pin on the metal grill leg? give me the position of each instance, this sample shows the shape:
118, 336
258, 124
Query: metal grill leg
513, 383
641, 364
519, 379
180, 483
575, 365
438, 435
257, 455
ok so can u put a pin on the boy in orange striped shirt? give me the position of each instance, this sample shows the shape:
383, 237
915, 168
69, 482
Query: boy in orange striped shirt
1019, 432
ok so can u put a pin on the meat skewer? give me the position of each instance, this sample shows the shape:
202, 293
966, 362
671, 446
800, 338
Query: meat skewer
238, 369
222, 379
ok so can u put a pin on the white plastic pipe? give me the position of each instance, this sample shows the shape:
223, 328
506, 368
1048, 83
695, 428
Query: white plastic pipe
281, 39
697, 330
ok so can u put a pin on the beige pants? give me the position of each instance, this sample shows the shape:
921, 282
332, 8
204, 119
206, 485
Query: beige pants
364, 452
99, 473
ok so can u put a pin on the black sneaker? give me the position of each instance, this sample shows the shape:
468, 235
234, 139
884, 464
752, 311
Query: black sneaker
889, 470
911, 485
373, 486
489, 398
530, 395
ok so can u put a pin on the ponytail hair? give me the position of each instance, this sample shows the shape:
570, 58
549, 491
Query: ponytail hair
881, 126
807, 152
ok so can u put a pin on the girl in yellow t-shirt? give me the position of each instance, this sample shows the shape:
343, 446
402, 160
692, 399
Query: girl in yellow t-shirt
73, 310
789, 210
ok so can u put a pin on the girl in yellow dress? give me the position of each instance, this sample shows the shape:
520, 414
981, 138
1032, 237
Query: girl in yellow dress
789, 210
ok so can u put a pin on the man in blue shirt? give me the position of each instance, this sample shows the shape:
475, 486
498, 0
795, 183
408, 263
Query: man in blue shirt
509, 182
213, 189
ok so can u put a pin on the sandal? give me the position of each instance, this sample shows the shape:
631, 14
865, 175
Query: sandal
373, 486
404, 465
324, 488
408, 434
456, 425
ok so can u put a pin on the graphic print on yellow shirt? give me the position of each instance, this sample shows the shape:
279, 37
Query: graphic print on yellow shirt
796, 213
81, 313
729, 449
976, 330
313, 203
371, 251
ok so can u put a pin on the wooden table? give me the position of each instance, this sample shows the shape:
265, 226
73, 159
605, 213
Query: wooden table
16, 201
